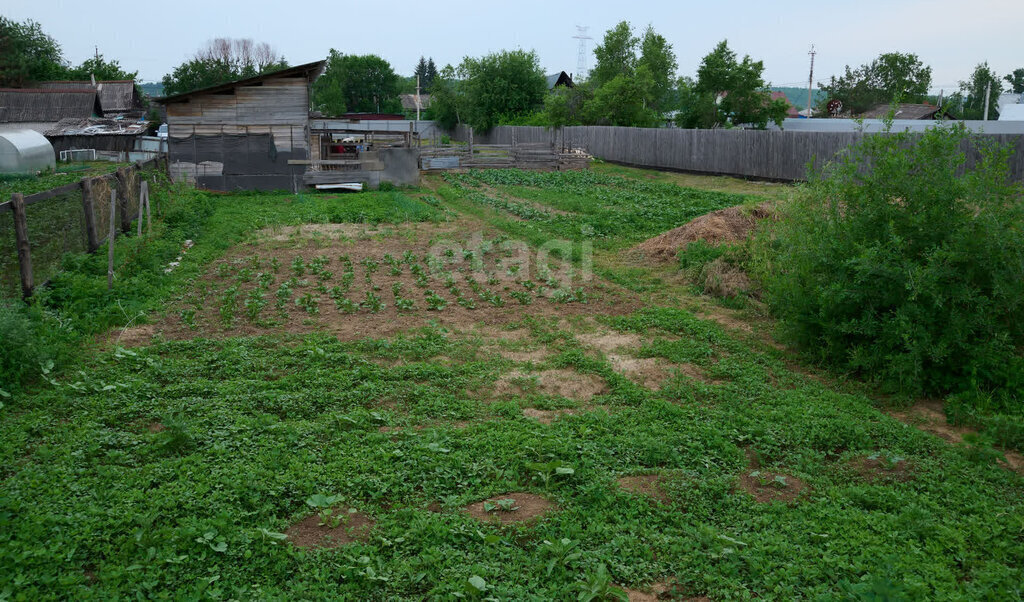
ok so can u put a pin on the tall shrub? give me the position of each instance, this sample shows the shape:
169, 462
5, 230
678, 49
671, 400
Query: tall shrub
903, 263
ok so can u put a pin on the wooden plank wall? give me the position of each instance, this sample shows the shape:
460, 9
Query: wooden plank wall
280, 107
769, 154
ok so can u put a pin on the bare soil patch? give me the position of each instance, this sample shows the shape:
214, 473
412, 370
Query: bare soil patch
732, 224
608, 341
562, 382
134, 336
526, 507
536, 355
767, 487
309, 533
666, 590
646, 485
155, 427
647, 372
882, 469
930, 417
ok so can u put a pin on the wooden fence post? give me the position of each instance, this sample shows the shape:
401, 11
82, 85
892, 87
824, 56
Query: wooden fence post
471, 142
90, 215
144, 201
110, 241
21, 239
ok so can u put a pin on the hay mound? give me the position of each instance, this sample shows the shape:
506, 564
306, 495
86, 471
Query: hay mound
732, 224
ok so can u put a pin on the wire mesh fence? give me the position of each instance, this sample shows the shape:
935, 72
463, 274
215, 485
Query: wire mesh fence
57, 222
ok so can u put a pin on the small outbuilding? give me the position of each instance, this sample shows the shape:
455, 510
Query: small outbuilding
25, 152
250, 134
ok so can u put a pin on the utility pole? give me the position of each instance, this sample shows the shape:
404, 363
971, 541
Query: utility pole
810, 82
988, 91
417, 98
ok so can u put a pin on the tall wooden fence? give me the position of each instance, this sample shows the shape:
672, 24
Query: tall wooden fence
36, 230
770, 154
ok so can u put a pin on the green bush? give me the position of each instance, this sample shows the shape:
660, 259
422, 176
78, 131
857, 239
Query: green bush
911, 271
32, 343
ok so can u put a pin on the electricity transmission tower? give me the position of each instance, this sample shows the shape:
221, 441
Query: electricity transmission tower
581, 58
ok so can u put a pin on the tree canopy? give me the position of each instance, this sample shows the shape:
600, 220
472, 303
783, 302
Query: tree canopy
1016, 81
223, 60
972, 93
357, 84
101, 68
426, 70
892, 77
27, 54
728, 92
486, 91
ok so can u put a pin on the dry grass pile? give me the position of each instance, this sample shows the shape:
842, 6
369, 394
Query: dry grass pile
729, 225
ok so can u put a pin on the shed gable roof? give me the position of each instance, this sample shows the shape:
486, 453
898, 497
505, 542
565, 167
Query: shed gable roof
21, 105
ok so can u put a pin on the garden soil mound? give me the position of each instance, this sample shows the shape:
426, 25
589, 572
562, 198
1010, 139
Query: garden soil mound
732, 224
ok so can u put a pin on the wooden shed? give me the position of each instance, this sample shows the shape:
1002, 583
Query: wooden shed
243, 134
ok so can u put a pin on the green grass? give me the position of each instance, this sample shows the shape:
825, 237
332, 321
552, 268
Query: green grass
93, 505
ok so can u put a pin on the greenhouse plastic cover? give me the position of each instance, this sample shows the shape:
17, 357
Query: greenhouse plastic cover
25, 152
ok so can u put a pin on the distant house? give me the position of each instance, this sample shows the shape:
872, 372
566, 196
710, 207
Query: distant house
250, 134
40, 109
409, 102
559, 79
1008, 99
1014, 112
791, 111
907, 111
116, 97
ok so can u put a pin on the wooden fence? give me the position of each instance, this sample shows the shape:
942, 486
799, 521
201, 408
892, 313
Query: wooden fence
768, 154
543, 150
77, 217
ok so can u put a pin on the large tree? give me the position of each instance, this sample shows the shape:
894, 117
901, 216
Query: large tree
729, 92
616, 54
972, 93
501, 85
27, 54
1016, 81
357, 84
621, 102
101, 68
658, 61
223, 60
426, 71
892, 77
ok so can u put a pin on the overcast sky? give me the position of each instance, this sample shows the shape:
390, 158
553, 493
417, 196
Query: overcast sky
153, 38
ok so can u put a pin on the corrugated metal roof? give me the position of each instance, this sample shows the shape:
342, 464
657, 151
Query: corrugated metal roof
409, 101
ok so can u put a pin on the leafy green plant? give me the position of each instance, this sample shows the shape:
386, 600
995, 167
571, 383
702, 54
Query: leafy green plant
298, 266
506, 505
561, 552
309, 303
324, 507
435, 302
373, 302
547, 472
910, 272
599, 587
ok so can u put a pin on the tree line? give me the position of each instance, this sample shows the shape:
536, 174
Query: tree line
634, 82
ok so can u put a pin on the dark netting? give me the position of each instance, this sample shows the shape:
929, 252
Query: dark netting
245, 154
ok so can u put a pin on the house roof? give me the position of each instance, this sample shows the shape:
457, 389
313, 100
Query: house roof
790, 110
73, 126
409, 101
116, 96
47, 105
1014, 112
559, 79
905, 111
311, 70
